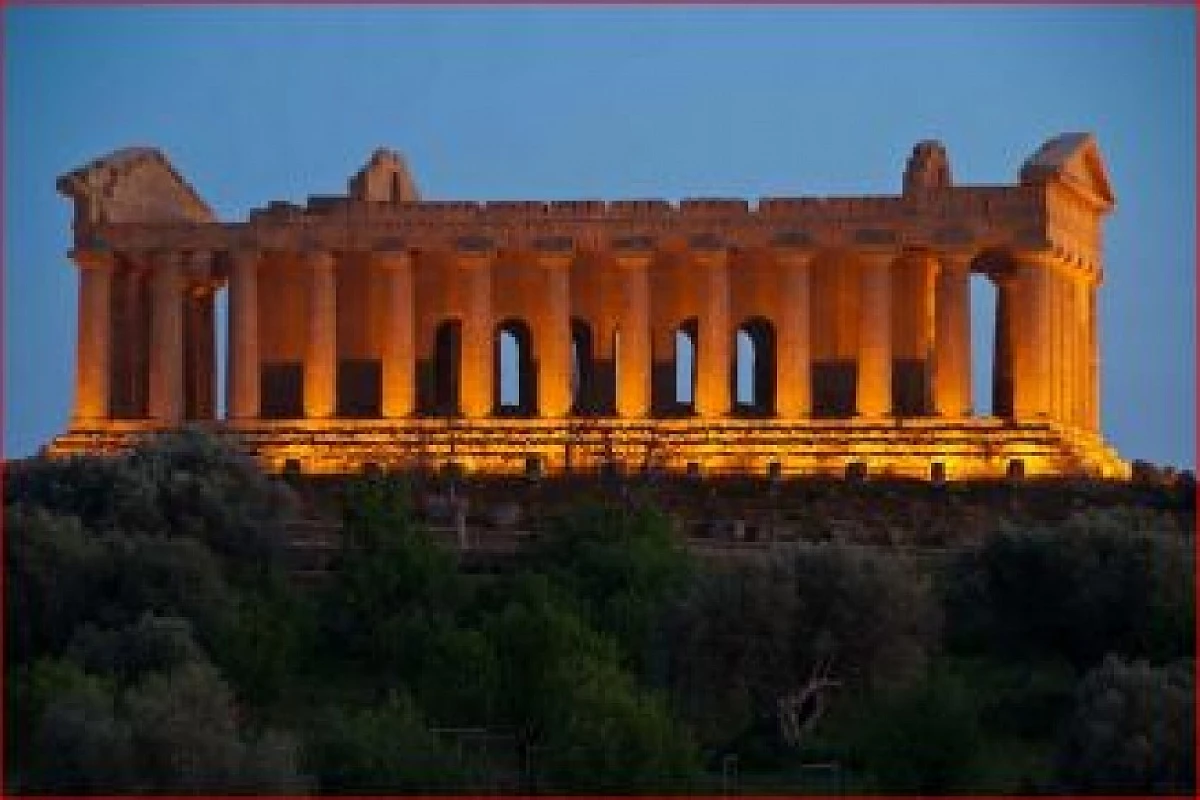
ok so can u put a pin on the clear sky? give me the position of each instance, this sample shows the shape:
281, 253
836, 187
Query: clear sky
559, 102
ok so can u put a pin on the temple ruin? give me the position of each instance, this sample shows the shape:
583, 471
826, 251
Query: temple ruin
372, 328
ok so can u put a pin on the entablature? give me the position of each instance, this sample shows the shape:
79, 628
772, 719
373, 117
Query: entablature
1048, 210
983, 217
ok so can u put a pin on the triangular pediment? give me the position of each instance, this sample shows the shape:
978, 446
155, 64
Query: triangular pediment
1073, 159
135, 184
385, 178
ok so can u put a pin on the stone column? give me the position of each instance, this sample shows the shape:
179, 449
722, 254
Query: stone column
554, 339
794, 381
1058, 344
1079, 350
92, 366
1067, 310
1092, 359
952, 338
399, 366
242, 389
477, 354
199, 338
166, 340
874, 396
924, 302
320, 358
713, 362
1004, 358
634, 358
1031, 337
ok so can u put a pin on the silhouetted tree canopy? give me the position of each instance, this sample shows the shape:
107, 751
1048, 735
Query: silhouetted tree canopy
158, 641
1133, 730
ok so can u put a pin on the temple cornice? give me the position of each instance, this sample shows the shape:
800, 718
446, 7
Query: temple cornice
1013, 217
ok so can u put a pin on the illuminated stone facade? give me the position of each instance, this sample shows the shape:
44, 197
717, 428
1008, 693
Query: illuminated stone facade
366, 328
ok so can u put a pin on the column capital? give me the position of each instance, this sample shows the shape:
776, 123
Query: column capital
1040, 259
554, 260
955, 261
793, 256
632, 259
319, 259
93, 258
392, 259
474, 259
199, 265
168, 258
710, 258
877, 259
244, 256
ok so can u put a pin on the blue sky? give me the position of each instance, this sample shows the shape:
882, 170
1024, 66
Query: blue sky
255, 104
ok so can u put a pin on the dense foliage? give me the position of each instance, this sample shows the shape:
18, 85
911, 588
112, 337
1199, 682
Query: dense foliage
159, 641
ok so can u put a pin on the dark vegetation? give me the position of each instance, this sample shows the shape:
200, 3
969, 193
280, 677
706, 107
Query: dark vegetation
157, 641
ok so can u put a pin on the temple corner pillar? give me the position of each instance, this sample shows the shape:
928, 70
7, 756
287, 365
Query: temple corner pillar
1032, 328
94, 342
1092, 358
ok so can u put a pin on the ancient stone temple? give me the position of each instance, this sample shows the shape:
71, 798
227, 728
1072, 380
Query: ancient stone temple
792, 335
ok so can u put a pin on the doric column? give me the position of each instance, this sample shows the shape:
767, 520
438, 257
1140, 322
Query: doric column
476, 367
1092, 359
794, 381
634, 357
1067, 311
924, 304
1031, 337
397, 351
1058, 344
166, 339
952, 338
1079, 350
554, 340
92, 366
1004, 347
713, 362
242, 389
874, 397
199, 338
320, 358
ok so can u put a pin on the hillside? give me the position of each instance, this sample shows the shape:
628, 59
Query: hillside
178, 622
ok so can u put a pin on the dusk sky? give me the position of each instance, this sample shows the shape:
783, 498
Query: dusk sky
258, 104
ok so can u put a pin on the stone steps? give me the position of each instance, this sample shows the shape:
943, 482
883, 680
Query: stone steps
967, 448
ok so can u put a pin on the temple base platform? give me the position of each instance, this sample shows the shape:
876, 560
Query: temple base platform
925, 448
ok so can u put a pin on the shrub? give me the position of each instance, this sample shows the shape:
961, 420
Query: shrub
1090, 587
1132, 730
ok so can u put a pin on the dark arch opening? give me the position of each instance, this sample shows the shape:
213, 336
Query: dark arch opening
583, 368
516, 374
438, 376
987, 395
685, 366
754, 368
992, 320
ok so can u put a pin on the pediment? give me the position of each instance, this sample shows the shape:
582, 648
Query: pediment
1073, 159
385, 178
136, 184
